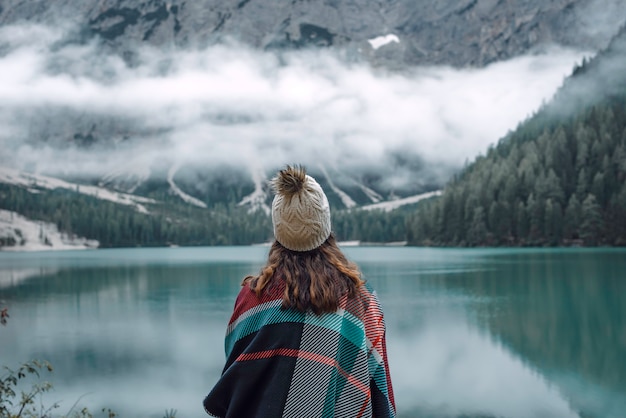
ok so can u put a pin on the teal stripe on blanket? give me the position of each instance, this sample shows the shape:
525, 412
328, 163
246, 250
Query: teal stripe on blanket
343, 323
273, 314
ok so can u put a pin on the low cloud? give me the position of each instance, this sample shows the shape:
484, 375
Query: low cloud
231, 105
600, 20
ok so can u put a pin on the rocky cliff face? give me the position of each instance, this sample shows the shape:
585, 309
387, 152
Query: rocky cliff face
392, 33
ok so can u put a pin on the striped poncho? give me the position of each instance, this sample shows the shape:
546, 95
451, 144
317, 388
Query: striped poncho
285, 363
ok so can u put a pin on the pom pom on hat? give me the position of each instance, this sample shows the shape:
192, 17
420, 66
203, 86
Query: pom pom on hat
300, 210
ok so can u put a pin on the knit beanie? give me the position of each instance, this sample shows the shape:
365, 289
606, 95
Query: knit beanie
300, 211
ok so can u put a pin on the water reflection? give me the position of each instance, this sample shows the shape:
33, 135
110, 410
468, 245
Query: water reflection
472, 333
524, 333
136, 334
458, 371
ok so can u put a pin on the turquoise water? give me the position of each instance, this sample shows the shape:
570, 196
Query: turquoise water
471, 333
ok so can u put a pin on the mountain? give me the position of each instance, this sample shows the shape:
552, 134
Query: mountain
185, 109
558, 179
393, 33
40, 212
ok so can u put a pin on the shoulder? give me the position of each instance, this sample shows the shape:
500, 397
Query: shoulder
364, 303
369, 296
247, 299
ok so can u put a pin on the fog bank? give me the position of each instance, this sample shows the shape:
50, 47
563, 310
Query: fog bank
228, 104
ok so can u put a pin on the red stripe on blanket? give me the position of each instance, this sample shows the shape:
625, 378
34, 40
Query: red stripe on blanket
289, 352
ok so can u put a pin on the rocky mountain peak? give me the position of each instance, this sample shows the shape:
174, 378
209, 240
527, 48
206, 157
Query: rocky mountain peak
442, 32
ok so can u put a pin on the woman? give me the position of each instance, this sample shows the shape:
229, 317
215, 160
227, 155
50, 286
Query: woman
307, 335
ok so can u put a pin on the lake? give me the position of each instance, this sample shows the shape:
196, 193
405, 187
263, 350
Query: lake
512, 333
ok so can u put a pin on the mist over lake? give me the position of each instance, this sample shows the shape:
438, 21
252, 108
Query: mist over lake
474, 333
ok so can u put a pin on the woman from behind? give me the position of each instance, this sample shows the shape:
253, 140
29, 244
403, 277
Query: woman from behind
307, 335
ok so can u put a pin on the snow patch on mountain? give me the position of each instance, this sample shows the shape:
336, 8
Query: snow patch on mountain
347, 201
18, 233
127, 179
371, 194
258, 197
395, 204
381, 41
187, 198
33, 182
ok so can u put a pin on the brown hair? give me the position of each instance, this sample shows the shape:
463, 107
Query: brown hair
314, 280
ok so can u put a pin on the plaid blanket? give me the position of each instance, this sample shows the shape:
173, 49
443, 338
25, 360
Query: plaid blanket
285, 363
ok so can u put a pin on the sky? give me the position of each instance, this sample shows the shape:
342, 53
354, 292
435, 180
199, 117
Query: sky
228, 104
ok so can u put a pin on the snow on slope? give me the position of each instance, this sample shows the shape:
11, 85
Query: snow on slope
257, 198
394, 204
371, 194
381, 41
130, 177
187, 198
345, 199
34, 181
23, 234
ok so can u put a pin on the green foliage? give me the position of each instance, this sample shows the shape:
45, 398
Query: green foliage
21, 398
374, 226
16, 403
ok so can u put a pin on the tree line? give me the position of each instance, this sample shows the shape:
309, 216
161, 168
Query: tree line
554, 181
169, 223
115, 225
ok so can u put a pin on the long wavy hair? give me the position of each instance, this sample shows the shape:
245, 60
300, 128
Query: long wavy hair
314, 280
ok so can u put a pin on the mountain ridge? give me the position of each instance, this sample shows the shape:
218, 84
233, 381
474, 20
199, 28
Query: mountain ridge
484, 31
